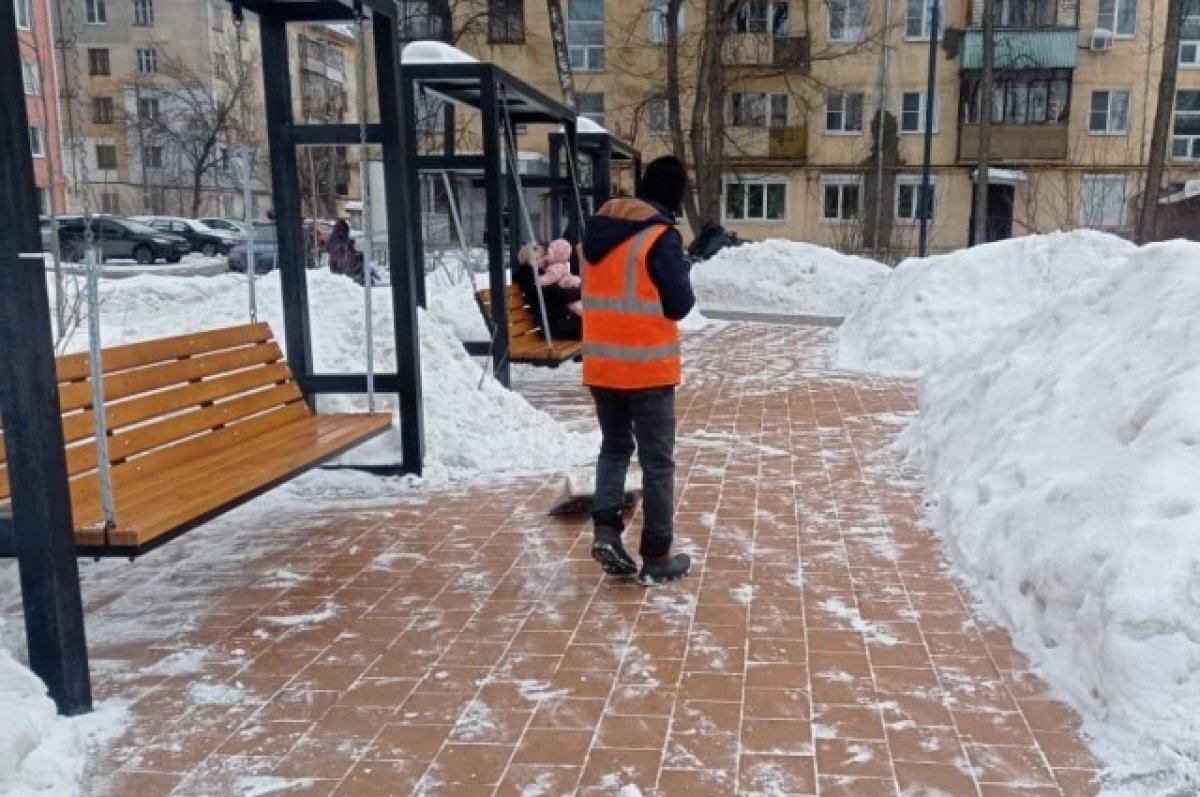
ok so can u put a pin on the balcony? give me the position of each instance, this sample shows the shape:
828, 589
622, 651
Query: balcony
1016, 143
767, 144
1016, 49
788, 53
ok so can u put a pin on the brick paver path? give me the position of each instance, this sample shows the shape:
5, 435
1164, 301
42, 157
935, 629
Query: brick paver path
464, 644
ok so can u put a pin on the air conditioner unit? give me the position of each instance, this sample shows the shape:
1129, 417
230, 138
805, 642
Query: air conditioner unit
1102, 41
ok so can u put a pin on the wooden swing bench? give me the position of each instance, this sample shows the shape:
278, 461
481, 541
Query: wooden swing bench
526, 342
197, 424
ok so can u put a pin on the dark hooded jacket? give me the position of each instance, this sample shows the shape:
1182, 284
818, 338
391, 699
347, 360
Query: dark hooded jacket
621, 219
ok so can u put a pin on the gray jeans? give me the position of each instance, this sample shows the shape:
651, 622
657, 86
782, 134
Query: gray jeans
647, 416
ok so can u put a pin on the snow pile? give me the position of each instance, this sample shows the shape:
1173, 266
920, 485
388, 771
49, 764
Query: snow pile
931, 309
1063, 458
473, 425
42, 753
779, 276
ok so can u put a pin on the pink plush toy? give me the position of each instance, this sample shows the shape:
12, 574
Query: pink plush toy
555, 269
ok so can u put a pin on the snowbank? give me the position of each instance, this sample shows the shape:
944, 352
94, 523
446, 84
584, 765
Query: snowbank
778, 276
42, 753
931, 309
473, 425
1064, 457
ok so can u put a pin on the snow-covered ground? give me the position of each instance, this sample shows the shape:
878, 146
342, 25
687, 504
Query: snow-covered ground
193, 265
786, 277
931, 309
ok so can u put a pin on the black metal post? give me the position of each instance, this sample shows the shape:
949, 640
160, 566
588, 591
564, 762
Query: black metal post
404, 237
557, 196
925, 201
285, 185
42, 529
494, 195
602, 176
413, 230
571, 139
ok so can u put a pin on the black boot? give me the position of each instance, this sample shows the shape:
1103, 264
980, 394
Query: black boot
662, 569
608, 550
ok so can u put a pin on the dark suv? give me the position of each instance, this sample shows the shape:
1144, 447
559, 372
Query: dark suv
207, 242
120, 239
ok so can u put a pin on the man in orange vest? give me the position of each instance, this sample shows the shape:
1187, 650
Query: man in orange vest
636, 287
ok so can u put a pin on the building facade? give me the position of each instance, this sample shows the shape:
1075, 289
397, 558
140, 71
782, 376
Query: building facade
35, 37
161, 107
806, 154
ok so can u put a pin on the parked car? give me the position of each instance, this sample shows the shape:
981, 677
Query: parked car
207, 242
120, 239
266, 251
238, 228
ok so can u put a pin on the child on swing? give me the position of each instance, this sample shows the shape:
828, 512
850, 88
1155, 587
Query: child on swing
562, 291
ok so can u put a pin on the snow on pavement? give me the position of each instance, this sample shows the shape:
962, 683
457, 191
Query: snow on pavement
788, 277
933, 308
1061, 458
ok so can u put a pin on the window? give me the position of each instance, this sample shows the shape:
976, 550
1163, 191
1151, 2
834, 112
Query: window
148, 109
920, 18
431, 112
220, 65
106, 156
1118, 16
102, 110
37, 141
147, 60
764, 16
98, 63
154, 157
110, 203
843, 112
840, 198
1189, 47
31, 76
658, 20
423, 19
216, 10
848, 20
658, 118
912, 112
585, 35
1110, 112
1022, 99
1103, 202
758, 109
24, 9
1024, 13
95, 11
1185, 143
591, 105
43, 201
506, 21
755, 200
143, 12
908, 199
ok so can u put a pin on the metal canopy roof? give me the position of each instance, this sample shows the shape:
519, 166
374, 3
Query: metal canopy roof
463, 83
595, 143
314, 10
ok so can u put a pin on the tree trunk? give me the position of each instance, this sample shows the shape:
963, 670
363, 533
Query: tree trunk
675, 106
1159, 139
985, 123
197, 190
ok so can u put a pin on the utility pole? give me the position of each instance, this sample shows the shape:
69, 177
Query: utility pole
925, 200
982, 179
1159, 144
562, 52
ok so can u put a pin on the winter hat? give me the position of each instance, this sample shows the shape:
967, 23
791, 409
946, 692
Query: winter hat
664, 182
558, 251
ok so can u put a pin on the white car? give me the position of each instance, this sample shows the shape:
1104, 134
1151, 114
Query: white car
206, 241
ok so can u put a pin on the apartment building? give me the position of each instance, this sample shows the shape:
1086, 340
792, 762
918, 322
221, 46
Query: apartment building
324, 91
35, 38
804, 154
156, 112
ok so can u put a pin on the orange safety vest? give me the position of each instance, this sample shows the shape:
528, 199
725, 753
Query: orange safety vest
627, 342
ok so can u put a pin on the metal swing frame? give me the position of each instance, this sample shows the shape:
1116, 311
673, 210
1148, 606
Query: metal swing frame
502, 100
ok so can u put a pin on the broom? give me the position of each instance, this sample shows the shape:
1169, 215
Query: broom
579, 492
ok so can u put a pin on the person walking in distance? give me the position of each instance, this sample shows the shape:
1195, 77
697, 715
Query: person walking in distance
636, 287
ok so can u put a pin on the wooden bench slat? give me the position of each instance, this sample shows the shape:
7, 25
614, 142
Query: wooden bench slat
78, 395
73, 367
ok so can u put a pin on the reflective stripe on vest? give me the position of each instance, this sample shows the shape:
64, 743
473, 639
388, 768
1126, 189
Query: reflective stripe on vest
635, 353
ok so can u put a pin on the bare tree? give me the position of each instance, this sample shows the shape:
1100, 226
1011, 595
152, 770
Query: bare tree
1159, 139
982, 178
186, 119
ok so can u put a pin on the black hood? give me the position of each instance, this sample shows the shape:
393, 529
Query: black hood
618, 221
